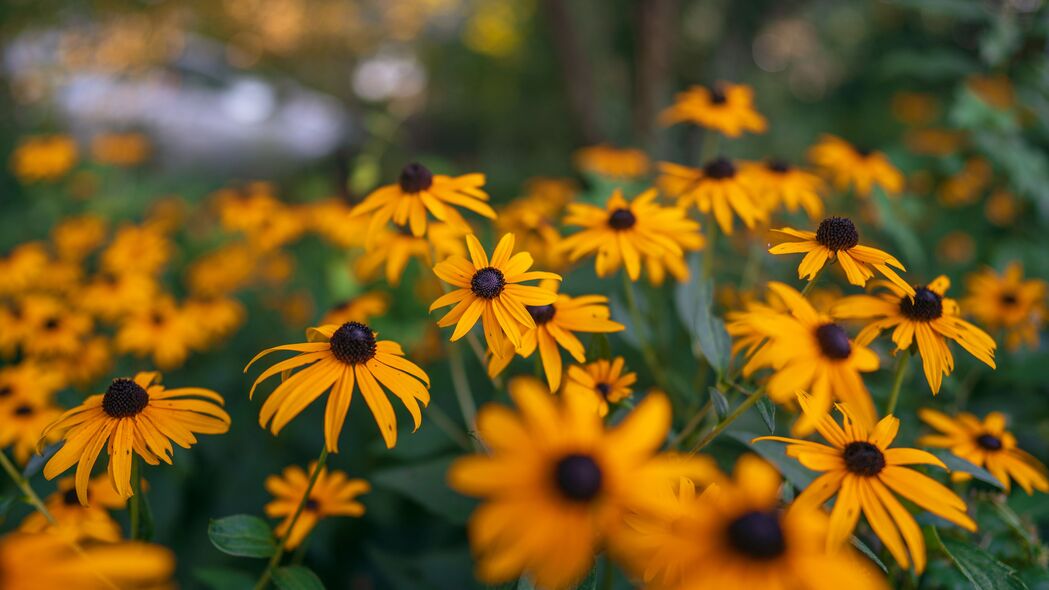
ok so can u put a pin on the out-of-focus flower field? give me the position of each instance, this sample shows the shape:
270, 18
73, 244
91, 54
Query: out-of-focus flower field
518, 295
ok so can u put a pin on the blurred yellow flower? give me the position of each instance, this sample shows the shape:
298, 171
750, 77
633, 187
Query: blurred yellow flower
602, 381
21, 422
849, 166
720, 187
120, 149
22, 267
1008, 302
725, 108
74, 238
160, 330
75, 521
777, 183
966, 186
360, 308
333, 494
612, 162
57, 329
43, 158
395, 246
110, 297
137, 249
32, 561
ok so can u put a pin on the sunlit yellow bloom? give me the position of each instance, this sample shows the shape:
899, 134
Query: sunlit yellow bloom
21, 422
491, 291
806, 351
57, 329
137, 249
333, 494
419, 191
134, 416
360, 308
777, 183
333, 219
22, 267
626, 232
612, 162
1008, 302
77, 237
247, 209
602, 381
32, 561
28, 380
985, 444
75, 521
550, 194
161, 330
735, 535
861, 169
212, 318
395, 246
533, 221
112, 296
340, 357
866, 475
725, 108
43, 158
557, 485
223, 270
120, 149
927, 318
836, 238
719, 187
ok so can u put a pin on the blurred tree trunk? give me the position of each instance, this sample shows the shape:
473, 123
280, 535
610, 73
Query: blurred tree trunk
655, 39
575, 69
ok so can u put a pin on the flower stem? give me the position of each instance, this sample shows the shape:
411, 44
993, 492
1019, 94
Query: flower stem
135, 503
748, 403
711, 247
23, 484
902, 359
692, 425
463, 394
264, 579
811, 283
647, 351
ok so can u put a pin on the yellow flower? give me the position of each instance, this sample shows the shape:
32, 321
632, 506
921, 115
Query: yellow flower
859, 168
867, 476
612, 162
557, 485
394, 247
966, 186
554, 327
926, 318
806, 351
23, 267
75, 238
996, 90
725, 108
719, 186
57, 330
360, 308
735, 535
985, 443
333, 219
837, 238
91, 362
491, 291
75, 521
256, 212
120, 149
602, 381
134, 416
779, 184
137, 249
223, 270
112, 296
1001, 208
419, 191
212, 318
333, 494
340, 357
43, 158
21, 422
33, 561
533, 220
28, 380
161, 330
1008, 302
625, 231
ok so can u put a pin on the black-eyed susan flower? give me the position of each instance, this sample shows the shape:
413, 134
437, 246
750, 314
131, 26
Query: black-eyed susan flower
390, 248
211, 318
491, 291
74, 238
161, 331
555, 328
1008, 302
22, 267
725, 108
533, 221
340, 358
624, 233
333, 494
33, 561
17, 326
837, 238
735, 534
92, 361
719, 187
420, 193
557, 484
778, 183
865, 475
849, 166
133, 417
22, 420
926, 318
806, 350
30, 380
359, 308
985, 443
76, 521
603, 381
138, 249
334, 220
43, 158
612, 162
223, 270
57, 329
112, 296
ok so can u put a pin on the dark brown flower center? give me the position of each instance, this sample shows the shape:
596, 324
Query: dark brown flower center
989, 442
311, 505
541, 313
24, 410
70, 498
719, 169
837, 233
415, 178
1009, 299
863, 458
926, 306
488, 283
778, 166
717, 95
757, 535
834, 342
6, 391
578, 477
52, 323
604, 389
124, 398
157, 318
353, 343
621, 219
863, 151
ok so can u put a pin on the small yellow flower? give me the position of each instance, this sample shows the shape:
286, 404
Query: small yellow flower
1008, 302
137, 249
602, 381
725, 108
333, 494
612, 162
720, 187
162, 331
75, 238
861, 169
32, 561
394, 247
120, 149
43, 158
76, 521
779, 184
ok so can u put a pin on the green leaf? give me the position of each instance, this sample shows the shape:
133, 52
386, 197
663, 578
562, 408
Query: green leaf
720, 403
982, 570
36, 462
767, 409
296, 577
242, 535
425, 484
694, 302
773, 452
956, 463
224, 578
590, 581
864, 549
599, 348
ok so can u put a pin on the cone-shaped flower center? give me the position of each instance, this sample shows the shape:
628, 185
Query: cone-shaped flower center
621, 219
52, 323
5, 391
353, 343
863, 458
719, 168
488, 283
717, 96
70, 498
311, 505
989, 442
415, 178
926, 306
124, 398
541, 313
24, 410
833, 341
578, 477
778, 166
837, 233
1009, 299
757, 535
604, 389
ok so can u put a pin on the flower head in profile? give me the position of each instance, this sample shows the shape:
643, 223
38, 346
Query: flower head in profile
336, 359
555, 328
625, 233
420, 193
837, 238
134, 416
927, 317
1008, 302
391, 248
557, 479
612, 162
781, 184
725, 108
603, 381
720, 186
806, 350
849, 166
985, 443
333, 494
75, 520
735, 534
491, 291
33, 561
867, 476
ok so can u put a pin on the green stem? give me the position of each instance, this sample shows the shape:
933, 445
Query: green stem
811, 283
461, 386
607, 575
647, 351
264, 579
710, 248
693, 424
23, 484
902, 359
721, 426
449, 427
135, 503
